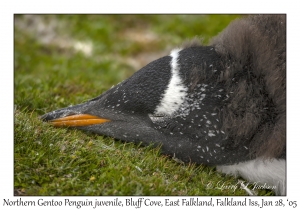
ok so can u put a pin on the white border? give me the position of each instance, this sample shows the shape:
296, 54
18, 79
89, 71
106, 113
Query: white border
8, 8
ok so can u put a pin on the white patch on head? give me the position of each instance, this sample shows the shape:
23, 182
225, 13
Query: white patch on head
264, 174
176, 91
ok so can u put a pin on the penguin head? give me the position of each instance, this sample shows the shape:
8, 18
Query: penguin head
158, 104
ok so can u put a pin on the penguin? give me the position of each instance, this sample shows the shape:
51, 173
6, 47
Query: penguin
222, 104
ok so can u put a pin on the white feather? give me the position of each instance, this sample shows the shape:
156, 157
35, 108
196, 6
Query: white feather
268, 173
175, 92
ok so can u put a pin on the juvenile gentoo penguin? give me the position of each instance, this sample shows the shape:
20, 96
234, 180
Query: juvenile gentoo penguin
220, 105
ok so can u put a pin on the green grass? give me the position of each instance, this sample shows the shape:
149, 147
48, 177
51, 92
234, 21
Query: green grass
51, 73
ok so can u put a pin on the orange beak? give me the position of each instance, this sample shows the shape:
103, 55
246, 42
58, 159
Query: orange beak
78, 120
